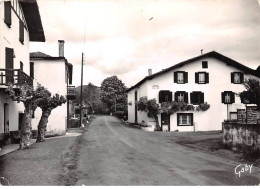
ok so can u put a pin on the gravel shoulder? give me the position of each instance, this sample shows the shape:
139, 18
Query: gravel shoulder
45, 164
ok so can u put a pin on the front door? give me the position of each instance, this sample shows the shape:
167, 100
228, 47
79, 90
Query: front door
6, 118
165, 122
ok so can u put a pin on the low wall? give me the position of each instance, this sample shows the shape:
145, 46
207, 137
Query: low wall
241, 137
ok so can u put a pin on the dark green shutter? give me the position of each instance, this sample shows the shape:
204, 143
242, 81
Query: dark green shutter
191, 116
170, 96
232, 97
32, 69
160, 96
9, 64
8, 18
223, 97
186, 97
21, 32
175, 77
196, 77
206, 77
232, 77
192, 98
241, 77
185, 77
201, 97
176, 96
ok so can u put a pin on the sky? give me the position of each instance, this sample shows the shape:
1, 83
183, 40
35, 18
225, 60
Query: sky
126, 38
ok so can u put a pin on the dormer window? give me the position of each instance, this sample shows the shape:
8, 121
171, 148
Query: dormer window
180, 77
201, 77
237, 77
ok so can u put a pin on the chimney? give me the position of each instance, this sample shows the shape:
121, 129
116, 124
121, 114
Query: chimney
61, 48
149, 72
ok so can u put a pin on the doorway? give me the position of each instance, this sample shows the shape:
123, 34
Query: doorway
165, 122
6, 118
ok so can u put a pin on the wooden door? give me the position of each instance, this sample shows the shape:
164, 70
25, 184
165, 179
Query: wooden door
6, 118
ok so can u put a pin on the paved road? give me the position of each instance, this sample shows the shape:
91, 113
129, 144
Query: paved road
111, 153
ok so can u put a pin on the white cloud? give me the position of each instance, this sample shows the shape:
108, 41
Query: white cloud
121, 40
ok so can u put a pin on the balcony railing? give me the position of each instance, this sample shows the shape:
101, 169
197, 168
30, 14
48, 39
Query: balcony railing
15, 77
71, 93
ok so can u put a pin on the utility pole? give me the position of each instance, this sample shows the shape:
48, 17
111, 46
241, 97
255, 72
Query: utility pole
80, 119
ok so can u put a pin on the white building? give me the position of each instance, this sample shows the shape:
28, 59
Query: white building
209, 78
20, 23
55, 74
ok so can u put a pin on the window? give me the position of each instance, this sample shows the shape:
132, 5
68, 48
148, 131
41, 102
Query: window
181, 96
237, 77
204, 64
165, 96
197, 98
184, 119
201, 77
21, 32
21, 66
180, 77
32, 69
228, 97
7, 9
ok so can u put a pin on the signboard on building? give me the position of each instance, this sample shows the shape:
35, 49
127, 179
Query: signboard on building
252, 114
241, 115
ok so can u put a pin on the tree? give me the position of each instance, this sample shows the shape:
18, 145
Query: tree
252, 93
112, 93
29, 97
47, 103
151, 107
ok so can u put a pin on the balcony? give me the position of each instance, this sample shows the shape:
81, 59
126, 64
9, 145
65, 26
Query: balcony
16, 77
71, 93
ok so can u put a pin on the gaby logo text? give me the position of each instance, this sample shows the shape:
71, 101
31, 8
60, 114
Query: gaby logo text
241, 168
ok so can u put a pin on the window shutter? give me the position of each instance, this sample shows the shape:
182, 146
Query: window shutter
186, 97
201, 97
21, 29
191, 117
32, 69
178, 119
176, 96
223, 97
206, 77
185, 77
161, 96
241, 77
21, 66
8, 19
196, 77
192, 98
232, 97
175, 77
232, 77
170, 96
9, 58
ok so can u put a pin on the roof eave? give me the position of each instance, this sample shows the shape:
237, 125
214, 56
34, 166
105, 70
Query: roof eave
33, 20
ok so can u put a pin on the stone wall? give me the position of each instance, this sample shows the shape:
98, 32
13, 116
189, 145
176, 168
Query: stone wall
241, 137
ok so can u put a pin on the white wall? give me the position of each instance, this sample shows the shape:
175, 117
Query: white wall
51, 74
141, 116
219, 81
9, 37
